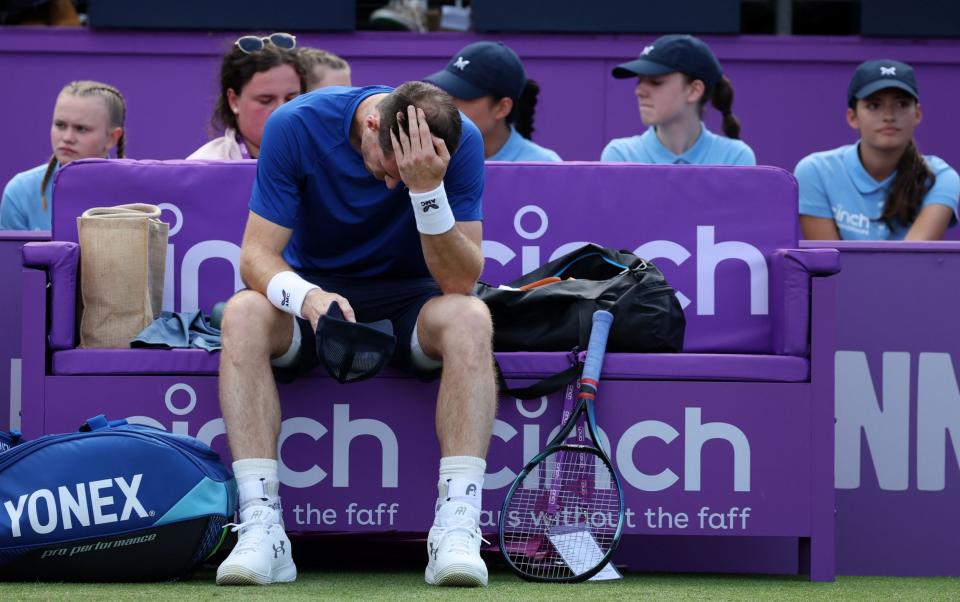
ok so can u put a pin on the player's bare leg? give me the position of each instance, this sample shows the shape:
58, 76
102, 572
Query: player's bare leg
458, 329
253, 332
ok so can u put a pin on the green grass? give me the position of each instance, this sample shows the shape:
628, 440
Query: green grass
392, 586
334, 569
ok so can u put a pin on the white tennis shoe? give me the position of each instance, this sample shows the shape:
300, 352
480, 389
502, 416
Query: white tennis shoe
262, 554
453, 547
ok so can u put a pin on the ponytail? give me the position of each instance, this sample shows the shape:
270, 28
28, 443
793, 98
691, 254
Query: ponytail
521, 117
721, 97
914, 180
51, 165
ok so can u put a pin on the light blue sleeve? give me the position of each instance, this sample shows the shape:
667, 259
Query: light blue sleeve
551, 155
946, 189
813, 196
12, 216
744, 155
613, 152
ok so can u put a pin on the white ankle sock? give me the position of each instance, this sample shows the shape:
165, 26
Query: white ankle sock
258, 484
461, 480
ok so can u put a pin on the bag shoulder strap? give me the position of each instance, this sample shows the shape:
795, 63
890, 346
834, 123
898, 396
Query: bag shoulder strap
99, 423
548, 385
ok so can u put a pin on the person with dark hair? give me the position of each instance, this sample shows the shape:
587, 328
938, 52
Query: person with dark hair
490, 86
88, 120
366, 208
880, 188
56, 13
677, 76
257, 75
323, 68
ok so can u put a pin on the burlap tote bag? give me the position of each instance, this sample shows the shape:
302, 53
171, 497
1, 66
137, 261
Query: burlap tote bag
122, 258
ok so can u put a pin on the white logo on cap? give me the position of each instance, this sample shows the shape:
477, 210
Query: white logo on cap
647, 50
460, 63
891, 71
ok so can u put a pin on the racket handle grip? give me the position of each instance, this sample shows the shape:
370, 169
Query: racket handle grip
592, 365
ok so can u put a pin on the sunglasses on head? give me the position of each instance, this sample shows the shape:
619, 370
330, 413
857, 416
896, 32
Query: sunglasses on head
251, 44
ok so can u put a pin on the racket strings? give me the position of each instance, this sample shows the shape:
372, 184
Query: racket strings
564, 518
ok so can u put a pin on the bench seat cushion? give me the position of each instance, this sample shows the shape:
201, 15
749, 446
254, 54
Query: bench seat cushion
617, 366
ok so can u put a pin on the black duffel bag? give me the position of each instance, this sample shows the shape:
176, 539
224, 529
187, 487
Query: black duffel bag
556, 316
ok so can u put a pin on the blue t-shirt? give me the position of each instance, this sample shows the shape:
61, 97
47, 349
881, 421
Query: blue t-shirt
21, 208
709, 149
518, 148
345, 221
835, 185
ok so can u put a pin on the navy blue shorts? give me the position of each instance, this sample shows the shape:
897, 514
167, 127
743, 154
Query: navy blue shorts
396, 299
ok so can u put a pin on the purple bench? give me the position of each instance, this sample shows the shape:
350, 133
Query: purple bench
733, 437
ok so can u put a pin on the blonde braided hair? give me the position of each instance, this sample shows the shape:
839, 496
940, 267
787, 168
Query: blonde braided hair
116, 115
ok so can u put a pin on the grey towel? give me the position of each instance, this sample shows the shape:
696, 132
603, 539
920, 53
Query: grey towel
182, 330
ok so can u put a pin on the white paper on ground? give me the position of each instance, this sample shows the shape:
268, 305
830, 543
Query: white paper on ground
607, 573
580, 551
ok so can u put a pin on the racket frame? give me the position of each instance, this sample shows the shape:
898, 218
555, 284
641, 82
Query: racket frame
585, 406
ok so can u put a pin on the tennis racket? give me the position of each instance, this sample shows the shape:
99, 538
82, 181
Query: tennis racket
563, 515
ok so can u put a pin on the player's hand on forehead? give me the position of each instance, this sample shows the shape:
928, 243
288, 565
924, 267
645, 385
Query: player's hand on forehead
422, 158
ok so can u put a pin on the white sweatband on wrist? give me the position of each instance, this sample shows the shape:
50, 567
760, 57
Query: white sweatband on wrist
287, 290
432, 211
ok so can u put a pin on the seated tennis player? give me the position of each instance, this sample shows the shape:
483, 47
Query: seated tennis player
369, 198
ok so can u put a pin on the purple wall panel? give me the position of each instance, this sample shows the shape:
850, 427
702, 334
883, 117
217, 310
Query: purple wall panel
9, 342
10, 310
898, 409
356, 445
789, 91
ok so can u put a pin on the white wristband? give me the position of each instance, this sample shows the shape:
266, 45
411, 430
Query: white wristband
287, 290
432, 211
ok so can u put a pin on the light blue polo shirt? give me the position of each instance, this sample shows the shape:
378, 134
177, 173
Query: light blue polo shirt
21, 208
518, 148
835, 185
709, 149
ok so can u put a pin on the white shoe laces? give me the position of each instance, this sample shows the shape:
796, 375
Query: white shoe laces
459, 539
252, 533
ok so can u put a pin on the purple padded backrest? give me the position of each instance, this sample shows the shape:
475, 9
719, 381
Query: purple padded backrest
205, 203
711, 230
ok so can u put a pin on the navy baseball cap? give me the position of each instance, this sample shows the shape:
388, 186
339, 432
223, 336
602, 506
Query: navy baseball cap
482, 69
668, 54
352, 351
873, 76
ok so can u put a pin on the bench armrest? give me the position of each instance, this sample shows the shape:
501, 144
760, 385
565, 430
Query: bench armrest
60, 260
791, 271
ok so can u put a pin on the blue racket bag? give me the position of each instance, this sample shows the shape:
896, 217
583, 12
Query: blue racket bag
113, 502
